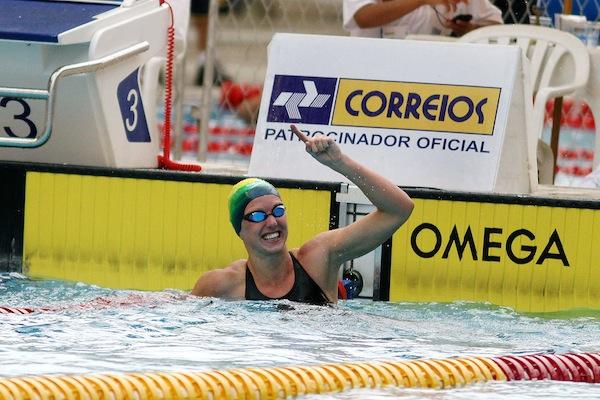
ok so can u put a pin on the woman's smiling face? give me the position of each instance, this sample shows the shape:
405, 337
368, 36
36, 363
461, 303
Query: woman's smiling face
270, 235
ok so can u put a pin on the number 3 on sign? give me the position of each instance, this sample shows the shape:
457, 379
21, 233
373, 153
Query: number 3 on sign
132, 109
21, 118
132, 98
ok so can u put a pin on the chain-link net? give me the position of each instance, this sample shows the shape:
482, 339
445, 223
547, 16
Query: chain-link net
247, 26
241, 32
589, 8
515, 11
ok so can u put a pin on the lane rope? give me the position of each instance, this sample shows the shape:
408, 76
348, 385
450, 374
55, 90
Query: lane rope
291, 381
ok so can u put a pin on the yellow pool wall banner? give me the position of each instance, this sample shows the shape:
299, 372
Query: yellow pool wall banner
147, 234
152, 230
528, 257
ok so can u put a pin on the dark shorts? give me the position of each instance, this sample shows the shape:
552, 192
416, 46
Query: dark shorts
199, 7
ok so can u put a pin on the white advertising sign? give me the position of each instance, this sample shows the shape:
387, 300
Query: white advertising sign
421, 113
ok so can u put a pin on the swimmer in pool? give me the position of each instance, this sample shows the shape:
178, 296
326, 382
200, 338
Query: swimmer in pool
308, 274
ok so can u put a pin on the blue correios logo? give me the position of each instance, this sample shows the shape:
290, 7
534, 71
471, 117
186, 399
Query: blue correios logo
301, 99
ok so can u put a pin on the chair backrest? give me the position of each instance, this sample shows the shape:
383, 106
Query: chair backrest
591, 95
559, 64
546, 49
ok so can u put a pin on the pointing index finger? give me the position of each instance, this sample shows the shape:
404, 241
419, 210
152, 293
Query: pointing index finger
300, 135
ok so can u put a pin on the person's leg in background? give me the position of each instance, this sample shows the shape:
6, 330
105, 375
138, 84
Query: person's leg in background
199, 20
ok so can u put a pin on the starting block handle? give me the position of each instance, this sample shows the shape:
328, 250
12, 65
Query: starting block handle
50, 94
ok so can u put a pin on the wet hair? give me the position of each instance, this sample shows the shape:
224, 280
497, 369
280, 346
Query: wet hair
243, 193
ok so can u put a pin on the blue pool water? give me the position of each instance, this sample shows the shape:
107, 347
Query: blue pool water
92, 329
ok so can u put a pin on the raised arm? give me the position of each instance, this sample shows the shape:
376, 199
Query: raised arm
393, 204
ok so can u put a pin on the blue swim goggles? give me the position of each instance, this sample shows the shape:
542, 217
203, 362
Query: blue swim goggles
260, 216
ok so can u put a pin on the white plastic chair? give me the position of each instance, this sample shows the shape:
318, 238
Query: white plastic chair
591, 96
550, 52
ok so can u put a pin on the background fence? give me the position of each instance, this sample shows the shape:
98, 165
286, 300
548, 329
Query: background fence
219, 118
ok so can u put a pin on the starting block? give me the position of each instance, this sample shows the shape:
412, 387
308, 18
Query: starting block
70, 83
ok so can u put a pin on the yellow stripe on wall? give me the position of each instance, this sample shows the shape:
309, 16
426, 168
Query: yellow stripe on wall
142, 233
566, 276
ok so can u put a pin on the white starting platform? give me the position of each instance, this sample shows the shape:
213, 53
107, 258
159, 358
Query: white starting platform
70, 82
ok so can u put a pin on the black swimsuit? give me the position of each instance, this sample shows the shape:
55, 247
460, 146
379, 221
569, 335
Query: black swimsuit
305, 289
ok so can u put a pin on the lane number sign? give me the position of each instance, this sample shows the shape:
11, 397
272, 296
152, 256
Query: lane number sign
16, 122
132, 109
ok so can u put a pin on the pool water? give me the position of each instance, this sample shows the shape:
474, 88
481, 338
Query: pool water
88, 329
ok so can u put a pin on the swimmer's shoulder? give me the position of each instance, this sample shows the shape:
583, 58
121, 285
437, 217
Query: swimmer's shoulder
228, 282
315, 251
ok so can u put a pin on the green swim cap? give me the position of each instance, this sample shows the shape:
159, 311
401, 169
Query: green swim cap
243, 193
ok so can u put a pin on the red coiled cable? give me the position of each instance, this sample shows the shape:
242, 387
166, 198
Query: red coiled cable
164, 160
